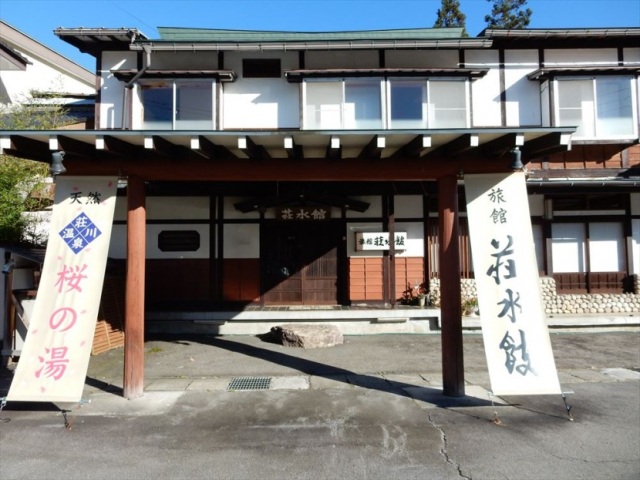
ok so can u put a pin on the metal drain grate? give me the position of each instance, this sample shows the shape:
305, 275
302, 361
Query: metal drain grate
249, 383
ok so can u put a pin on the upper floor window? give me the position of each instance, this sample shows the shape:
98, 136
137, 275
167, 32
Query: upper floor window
177, 105
261, 68
343, 104
428, 103
374, 103
599, 107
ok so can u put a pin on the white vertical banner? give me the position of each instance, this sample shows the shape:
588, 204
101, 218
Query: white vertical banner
514, 330
54, 361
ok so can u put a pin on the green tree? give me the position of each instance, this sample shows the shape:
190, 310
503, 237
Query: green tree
509, 14
20, 179
450, 15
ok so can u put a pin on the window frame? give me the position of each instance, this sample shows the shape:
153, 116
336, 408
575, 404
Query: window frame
595, 121
341, 84
386, 121
174, 85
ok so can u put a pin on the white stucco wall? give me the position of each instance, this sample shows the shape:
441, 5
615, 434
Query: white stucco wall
260, 102
414, 244
408, 206
241, 240
39, 76
523, 95
112, 89
118, 244
169, 209
485, 90
578, 56
536, 205
634, 241
635, 247
374, 210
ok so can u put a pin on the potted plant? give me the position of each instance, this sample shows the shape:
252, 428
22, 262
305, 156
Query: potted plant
470, 306
415, 295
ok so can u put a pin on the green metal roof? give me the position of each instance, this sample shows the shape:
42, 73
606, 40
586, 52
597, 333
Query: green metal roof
177, 34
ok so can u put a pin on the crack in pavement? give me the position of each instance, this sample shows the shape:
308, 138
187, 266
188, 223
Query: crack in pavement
443, 449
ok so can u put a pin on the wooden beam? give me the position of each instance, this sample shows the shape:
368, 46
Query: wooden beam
213, 151
76, 147
119, 147
133, 382
450, 296
32, 149
414, 148
461, 145
254, 151
546, 145
167, 149
334, 149
503, 144
294, 151
373, 150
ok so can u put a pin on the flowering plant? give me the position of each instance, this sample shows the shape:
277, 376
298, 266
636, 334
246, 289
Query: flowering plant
413, 294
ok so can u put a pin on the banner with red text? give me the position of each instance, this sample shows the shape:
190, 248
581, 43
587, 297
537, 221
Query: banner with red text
514, 329
54, 360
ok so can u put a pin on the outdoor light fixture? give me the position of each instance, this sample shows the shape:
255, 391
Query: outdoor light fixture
516, 159
57, 168
9, 266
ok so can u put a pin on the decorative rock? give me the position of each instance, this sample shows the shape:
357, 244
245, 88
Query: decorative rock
308, 336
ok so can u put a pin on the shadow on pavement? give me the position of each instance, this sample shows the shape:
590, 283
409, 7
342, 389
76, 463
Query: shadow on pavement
310, 367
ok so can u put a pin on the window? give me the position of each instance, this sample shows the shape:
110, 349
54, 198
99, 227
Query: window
428, 103
177, 105
357, 103
261, 68
178, 241
157, 103
447, 104
408, 101
349, 104
599, 107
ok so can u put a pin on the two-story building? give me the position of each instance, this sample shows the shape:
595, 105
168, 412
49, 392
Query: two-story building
274, 166
33, 74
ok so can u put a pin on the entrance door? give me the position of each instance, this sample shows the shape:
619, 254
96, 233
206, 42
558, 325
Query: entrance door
300, 263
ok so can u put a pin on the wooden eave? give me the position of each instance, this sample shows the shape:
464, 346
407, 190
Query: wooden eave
222, 75
298, 75
563, 38
96, 40
258, 155
551, 72
13, 57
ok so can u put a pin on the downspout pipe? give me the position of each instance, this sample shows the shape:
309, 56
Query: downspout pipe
146, 63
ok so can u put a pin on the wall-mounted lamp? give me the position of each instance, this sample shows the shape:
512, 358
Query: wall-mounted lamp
9, 266
57, 168
516, 159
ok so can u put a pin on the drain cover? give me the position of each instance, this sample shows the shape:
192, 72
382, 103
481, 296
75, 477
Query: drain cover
249, 383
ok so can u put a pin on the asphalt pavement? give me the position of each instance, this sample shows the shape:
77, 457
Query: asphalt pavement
243, 407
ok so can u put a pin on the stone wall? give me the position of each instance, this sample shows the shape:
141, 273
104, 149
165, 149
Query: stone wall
597, 303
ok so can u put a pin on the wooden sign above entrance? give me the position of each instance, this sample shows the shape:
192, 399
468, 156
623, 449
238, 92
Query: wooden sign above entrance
379, 240
303, 213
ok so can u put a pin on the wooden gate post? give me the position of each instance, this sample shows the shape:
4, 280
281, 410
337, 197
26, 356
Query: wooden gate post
450, 307
133, 381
